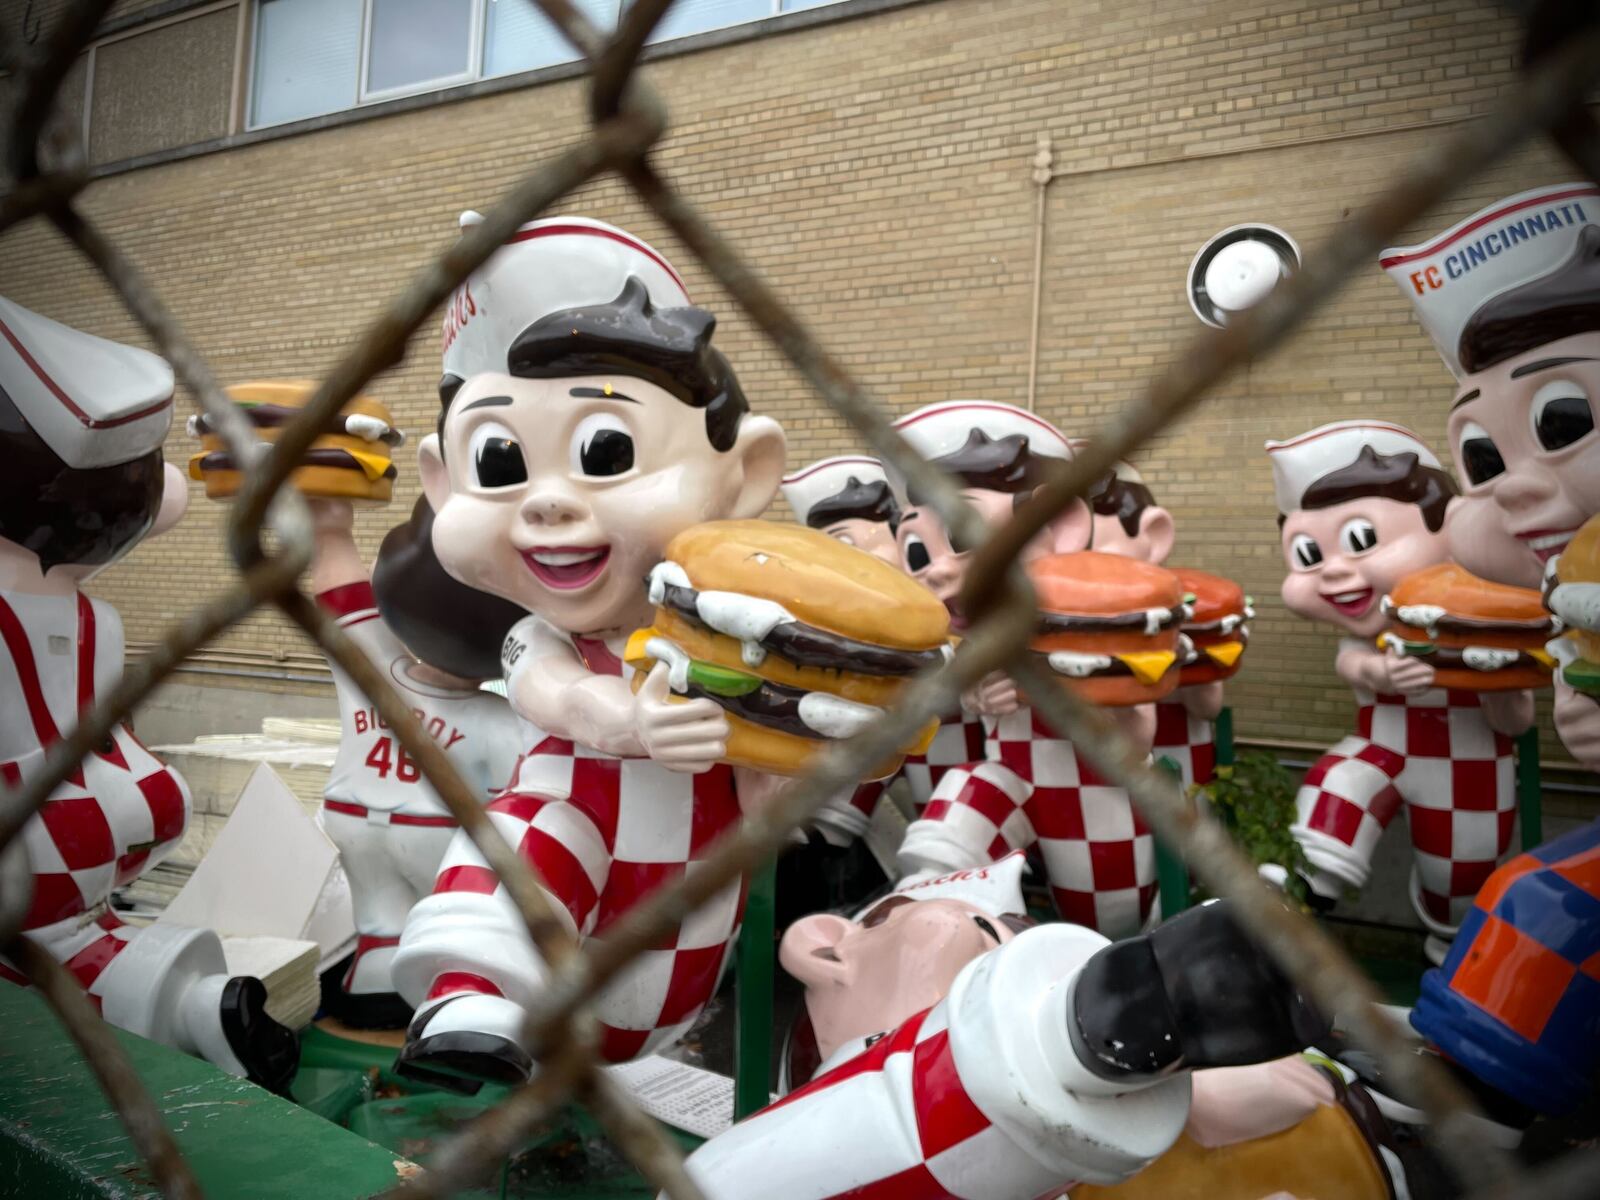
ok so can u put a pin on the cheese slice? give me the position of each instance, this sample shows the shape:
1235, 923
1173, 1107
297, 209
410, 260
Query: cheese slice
1226, 654
194, 466
1543, 657
374, 465
1150, 665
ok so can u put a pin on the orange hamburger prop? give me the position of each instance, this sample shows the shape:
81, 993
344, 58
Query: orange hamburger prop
1477, 635
1218, 627
352, 463
799, 637
1109, 625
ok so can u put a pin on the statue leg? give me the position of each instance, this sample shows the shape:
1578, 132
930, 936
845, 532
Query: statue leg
465, 960
1347, 800
976, 815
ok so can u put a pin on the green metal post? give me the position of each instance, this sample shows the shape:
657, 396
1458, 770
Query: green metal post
752, 1071
1171, 875
1529, 795
1222, 737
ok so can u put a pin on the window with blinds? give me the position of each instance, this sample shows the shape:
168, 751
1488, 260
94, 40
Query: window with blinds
312, 57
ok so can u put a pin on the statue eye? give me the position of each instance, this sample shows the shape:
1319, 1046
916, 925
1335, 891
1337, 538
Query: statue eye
987, 928
1560, 414
497, 460
1358, 536
915, 552
1480, 457
1305, 553
602, 446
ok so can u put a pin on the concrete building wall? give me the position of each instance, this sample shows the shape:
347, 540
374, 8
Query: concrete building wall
877, 170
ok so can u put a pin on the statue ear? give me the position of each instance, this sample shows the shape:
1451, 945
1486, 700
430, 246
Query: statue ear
431, 470
1072, 529
1157, 532
798, 950
760, 448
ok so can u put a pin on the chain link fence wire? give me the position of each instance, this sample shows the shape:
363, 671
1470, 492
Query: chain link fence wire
627, 119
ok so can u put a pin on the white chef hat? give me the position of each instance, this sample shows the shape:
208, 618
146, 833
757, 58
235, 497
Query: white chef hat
995, 889
1123, 469
1301, 461
94, 402
826, 478
547, 266
1494, 250
936, 430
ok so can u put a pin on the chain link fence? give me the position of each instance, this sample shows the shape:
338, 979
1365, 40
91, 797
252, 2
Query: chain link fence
627, 119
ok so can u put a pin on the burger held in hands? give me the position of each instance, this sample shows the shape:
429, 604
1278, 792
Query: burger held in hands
1110, 626
1477, 635
353, 461
799, 638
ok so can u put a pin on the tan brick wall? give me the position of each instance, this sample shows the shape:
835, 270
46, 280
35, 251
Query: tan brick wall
877, 171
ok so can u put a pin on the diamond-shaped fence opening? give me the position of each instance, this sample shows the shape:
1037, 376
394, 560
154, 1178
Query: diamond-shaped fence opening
627, 119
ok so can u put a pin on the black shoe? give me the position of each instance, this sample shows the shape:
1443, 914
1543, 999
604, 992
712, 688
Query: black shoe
269, 1053
368, 1010
1194, 992
460, 1060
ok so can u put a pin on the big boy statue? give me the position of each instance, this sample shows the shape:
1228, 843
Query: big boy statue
1511, 298
82, 421
949, 1048
587, 419
1361, 505
1031, 787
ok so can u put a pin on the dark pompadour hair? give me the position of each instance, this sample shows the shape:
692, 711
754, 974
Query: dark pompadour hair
1556, 305
441, 620
1388, 476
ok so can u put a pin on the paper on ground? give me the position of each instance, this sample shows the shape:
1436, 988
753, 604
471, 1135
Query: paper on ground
692, 1099
271, 873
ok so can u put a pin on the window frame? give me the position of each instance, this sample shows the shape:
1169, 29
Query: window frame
476, 27
478, 38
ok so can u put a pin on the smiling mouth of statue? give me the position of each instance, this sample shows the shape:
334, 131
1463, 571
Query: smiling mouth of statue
957, 621
567, 567
1351, 604
1546, 543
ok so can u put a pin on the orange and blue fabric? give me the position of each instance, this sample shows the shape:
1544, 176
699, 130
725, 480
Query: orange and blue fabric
1517, 1002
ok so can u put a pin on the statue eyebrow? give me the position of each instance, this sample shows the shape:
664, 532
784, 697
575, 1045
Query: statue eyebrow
487, 402
1545, 364
1466, 398
590, 393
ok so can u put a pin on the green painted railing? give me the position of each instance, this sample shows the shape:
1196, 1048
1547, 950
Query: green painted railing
752, 1078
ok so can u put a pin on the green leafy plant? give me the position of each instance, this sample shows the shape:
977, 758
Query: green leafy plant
1254, 800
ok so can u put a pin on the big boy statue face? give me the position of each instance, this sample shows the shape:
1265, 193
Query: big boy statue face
561, 494
939, 562
1342, 560
1526, 450
869, 973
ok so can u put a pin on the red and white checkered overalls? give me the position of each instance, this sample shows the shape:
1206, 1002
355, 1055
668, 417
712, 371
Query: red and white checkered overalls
1189, 741
961, 1101
115, 816
1435, 754
959, 742
603, 833
1098, 854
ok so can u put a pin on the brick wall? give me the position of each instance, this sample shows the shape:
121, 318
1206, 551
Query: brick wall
877, 170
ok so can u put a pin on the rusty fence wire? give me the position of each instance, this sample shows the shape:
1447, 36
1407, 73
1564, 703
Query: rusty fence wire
627, 118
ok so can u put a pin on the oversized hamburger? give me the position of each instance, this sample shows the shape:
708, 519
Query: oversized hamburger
1109, 626
352, 463
1573, 595
1218, 627
800, 638
1477, 635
